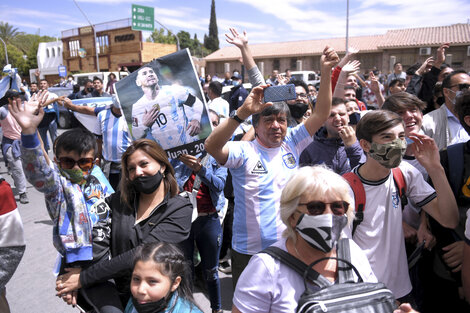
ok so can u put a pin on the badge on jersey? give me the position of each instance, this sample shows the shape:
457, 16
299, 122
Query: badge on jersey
289, 160
259, 168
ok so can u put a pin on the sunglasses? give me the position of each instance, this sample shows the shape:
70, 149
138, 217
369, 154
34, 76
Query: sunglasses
318, 207
461, 86
67, 163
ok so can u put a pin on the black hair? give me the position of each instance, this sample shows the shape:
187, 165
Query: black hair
86, 81
300, 83
12, 93
33, 83
275, 109
375, 122
78, 139
462, 107
216, 88
413, 68
76, 88
446, 82
337, 101
397, 81
97, 78
396, 64
171, 263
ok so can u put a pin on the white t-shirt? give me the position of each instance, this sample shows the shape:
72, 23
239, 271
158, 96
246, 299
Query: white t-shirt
258, 175
267, 285
220, 106
170, 127
380, 235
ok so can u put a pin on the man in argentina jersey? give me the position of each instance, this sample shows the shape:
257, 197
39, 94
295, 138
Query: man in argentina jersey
115, 140
170, 115
261, 168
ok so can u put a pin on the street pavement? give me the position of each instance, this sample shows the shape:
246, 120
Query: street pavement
32, 287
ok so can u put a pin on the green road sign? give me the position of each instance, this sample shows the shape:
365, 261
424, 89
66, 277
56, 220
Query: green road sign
142, 18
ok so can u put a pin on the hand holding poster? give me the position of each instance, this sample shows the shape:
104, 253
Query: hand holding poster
163, 101
90, 121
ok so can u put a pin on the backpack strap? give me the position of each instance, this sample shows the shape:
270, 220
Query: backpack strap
400, 183
455, 160
359, 197
297, 265
345, 272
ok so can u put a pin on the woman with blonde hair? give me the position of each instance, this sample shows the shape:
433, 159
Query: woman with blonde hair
315, 207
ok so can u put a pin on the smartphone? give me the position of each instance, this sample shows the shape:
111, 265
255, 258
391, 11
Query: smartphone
280, 93
354, 118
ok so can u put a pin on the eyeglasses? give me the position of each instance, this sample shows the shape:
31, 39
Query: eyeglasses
302, 95
318, 207
67, 163
461, 86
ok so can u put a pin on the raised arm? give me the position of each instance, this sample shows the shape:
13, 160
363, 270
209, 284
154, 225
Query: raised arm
323, 107
348, 69
77, 108
216, 143
375, 88
444, 208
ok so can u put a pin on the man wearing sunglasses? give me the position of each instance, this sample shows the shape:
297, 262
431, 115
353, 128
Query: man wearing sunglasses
74, 190
442, 124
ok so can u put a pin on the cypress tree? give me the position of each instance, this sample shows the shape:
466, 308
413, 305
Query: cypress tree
211, 42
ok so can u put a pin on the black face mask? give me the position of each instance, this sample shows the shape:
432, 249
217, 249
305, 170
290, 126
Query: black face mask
147, 184
150, 307
298, 109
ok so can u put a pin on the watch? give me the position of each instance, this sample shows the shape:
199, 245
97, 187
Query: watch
233, 115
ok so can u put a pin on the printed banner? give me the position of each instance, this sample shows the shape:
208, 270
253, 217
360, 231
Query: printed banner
163, 101
90, 121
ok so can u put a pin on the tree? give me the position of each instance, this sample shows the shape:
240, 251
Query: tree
8, 32
211, 42
158, 36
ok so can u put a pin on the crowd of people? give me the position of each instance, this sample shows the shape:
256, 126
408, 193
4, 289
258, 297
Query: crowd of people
379, 166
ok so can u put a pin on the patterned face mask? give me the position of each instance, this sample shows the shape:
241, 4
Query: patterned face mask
389, 154
76, 176
321, 231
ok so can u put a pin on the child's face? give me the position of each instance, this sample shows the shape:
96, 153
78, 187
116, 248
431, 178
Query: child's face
148, 284
71, 160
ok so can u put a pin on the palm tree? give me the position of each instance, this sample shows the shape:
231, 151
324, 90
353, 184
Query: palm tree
8, 32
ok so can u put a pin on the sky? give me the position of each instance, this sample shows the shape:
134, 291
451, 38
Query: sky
264, 20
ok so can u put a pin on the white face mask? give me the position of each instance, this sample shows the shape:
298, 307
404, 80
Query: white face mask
457, 93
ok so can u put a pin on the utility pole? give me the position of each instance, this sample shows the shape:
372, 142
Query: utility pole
6, 52
169, 31
347, 26
94, 36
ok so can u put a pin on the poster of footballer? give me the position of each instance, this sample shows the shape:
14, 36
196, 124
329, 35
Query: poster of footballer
163, 101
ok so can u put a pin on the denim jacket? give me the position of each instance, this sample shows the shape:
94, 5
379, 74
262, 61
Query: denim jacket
212, 175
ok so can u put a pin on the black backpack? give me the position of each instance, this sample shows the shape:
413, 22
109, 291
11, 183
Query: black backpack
344, 296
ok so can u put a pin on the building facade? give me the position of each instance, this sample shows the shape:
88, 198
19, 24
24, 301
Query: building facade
117, 44
407, 46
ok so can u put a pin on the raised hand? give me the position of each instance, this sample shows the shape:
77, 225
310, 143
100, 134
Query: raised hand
329, 58
237, 39
425, 66
441, 54
351, 67
283, 80
254, 102
28, 115
425, 151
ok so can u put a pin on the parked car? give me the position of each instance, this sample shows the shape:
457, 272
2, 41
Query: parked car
309, 77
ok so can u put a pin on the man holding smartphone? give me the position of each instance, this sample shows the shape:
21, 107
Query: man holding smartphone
261, 168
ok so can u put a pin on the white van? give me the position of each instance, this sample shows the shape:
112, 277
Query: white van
81, 77
309, 77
